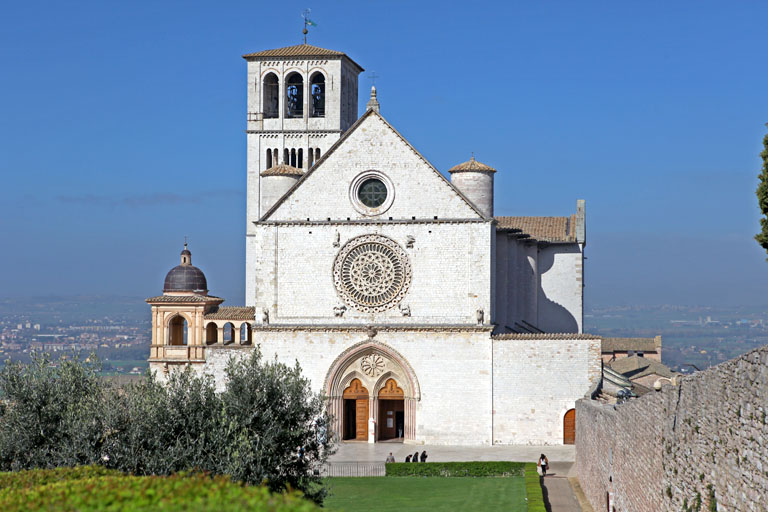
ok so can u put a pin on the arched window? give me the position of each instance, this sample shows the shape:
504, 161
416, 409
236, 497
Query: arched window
317, 91
311, 157
275, 160
300, 158
245, 334
211, 333
229, 333
177, 331
293, 157
286, 157
271, 96
317, 154
294, 95
269, 158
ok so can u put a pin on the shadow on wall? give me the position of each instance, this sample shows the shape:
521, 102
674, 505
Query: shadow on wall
552, 317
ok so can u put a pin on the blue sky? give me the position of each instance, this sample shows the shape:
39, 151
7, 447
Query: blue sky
121, 131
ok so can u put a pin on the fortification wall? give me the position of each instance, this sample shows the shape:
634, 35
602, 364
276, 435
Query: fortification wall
703, 441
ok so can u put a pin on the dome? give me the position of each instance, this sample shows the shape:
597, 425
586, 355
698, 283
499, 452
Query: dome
185, 277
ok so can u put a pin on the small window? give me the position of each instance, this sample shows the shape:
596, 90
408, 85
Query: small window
372, 193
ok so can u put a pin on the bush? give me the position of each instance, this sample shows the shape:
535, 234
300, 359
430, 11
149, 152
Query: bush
266, 426
96, 489
533, 492
454, 469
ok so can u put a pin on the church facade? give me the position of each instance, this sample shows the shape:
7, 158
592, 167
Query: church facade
418, 314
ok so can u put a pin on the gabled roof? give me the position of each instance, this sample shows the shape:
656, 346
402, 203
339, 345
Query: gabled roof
547, 229
299, 50
338, 143
634, 367
627, 344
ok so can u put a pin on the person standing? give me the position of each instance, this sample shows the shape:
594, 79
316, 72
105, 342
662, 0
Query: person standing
543, 464
424, 456
391, 458
408, 458
415, 457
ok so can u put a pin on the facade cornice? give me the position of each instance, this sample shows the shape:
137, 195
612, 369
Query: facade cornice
369, 329
310, 222
297, 132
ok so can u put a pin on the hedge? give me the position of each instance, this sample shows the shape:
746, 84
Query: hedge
451, 469
91, 489
533, 494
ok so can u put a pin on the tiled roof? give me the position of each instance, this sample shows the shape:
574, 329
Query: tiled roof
185, 298
299, 50
635, 367
231, 313
549, 229
627, 344
545, 336
283, 170
471, 165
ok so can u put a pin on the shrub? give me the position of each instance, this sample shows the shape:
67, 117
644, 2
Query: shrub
95, 489
454, 469
265, 427
533, 494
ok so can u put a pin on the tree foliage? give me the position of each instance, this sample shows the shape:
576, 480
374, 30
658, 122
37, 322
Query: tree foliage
265, 427
762, 197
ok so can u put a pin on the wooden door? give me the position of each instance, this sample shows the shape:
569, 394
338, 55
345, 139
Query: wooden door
569, 427
361, 415
359, 394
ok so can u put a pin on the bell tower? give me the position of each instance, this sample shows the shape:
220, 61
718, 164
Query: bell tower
301, 99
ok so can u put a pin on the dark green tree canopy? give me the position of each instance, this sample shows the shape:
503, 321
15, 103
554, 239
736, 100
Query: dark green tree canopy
762, 197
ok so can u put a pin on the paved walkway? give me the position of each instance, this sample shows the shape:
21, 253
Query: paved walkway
556, 487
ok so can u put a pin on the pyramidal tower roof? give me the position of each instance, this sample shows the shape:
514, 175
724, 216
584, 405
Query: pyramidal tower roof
299, 50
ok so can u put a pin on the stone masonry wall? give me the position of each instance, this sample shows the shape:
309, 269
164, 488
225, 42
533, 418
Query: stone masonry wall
697, 446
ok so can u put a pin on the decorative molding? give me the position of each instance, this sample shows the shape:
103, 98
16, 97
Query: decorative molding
363, 328
372, 365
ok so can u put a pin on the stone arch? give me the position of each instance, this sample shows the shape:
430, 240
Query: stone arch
373, 364
211, 333
178, 327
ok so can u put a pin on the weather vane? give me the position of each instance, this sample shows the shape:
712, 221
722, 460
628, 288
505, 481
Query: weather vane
307, 23
373, 76
185, 241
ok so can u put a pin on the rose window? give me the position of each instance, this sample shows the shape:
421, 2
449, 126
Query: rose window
372, 365
372, 273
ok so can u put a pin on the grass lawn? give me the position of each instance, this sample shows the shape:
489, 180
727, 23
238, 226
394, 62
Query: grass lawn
397, 494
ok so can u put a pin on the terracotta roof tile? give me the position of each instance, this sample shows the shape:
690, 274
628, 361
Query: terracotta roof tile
471, 165
549, 229
231, 313
299, 50
283, 170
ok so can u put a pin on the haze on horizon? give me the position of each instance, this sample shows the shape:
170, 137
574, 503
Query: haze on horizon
122, 132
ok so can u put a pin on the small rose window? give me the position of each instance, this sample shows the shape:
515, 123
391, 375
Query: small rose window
372, 193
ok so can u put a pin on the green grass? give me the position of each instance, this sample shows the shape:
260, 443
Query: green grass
396, 494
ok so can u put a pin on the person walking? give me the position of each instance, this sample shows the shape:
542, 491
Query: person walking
423, 456
415, 457
543, 464
391, 458
408, 458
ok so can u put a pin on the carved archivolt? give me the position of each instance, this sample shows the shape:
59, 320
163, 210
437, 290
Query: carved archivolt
376, 367
372, 273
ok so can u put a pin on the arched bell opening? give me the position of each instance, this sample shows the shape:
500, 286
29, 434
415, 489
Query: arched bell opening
294, 95
178, 330
317, 91
271, 96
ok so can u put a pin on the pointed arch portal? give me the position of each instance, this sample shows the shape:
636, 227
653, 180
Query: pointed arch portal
372, 394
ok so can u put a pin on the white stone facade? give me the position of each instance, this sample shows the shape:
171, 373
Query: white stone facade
373, 255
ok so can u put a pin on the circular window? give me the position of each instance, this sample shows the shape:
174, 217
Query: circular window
372, 273
371, 193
